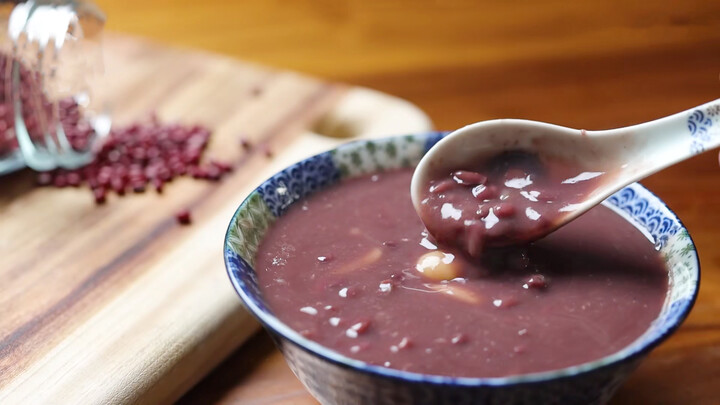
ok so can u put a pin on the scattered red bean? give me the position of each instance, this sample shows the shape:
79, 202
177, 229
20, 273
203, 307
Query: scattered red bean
99, 194
60, 180
267, 152
213, 173
223, 166
141, 154
183, 217
73, 179
245, 143
158, 184
44, 178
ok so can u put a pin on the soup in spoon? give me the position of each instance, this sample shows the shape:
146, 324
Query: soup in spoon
507, 199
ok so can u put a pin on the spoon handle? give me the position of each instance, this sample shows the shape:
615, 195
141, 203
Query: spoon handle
655, 145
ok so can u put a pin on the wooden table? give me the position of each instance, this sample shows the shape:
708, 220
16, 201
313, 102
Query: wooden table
591, 64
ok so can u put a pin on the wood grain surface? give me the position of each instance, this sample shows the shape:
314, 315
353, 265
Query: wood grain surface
594, 64
119, 303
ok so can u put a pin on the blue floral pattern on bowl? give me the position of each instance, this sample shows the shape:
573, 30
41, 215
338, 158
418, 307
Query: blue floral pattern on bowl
336, 379
297, 181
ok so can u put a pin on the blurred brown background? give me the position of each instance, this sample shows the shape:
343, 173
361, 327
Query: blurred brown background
589, 64
615, 62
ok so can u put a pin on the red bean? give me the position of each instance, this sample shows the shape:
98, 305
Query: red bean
183, 217
73, 179
537, 281
213, 173
468, 178
99, 194
164, 173
138, 187
44, 178
507, 302
198, 172
245, 143
158, 184
103, 178
505, 210
484, 193
326, 258
307, 333
520, 349
459, 339
361, 326
405, 343
267, 152
443, 186
92, 182
223, 166
60, 180
482, 211
475, 238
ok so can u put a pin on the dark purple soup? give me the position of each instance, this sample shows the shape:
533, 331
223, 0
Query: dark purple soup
352, 268
513, 197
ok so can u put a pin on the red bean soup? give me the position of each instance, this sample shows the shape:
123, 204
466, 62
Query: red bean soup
353, 268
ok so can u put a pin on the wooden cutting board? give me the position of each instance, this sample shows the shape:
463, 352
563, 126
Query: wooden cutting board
119, 303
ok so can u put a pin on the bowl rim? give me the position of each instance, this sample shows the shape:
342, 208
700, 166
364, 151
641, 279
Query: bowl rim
274, 325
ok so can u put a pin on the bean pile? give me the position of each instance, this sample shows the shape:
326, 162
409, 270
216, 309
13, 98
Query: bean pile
131, 159
140, 155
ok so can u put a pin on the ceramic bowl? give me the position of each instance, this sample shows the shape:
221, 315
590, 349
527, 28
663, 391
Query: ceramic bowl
336, 379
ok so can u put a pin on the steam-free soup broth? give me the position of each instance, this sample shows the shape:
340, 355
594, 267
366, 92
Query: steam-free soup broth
353, 268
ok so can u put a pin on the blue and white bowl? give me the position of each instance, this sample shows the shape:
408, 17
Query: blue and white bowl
336, 379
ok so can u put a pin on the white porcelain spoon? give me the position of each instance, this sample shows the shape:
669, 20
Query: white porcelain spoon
623, 155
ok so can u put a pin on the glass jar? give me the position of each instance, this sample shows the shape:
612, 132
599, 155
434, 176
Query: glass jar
51, 110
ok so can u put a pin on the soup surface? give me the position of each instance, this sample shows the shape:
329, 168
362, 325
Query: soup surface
353, 268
